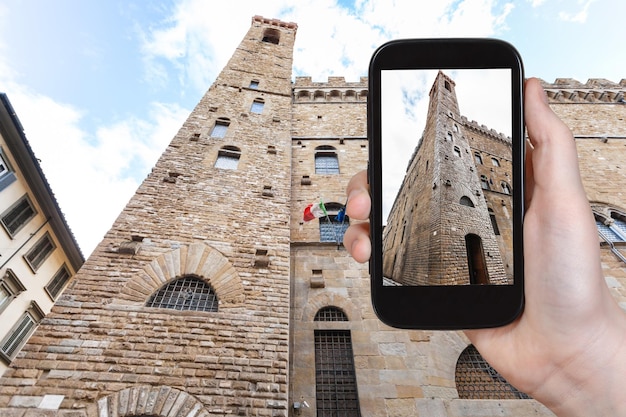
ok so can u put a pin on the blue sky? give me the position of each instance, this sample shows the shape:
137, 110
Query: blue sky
101, 87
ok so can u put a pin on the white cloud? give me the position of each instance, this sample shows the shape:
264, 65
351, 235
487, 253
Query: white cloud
92, 177
577, 17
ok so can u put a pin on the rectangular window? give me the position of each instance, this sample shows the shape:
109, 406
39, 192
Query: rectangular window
335, 378
40, 252
219, 130
257, 107
17, 336
57, 283
326, 163
254, 84
10, 287
18, 215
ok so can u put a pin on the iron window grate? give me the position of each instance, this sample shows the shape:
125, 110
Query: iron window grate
335, 377
330, 314
187, 293
476, 379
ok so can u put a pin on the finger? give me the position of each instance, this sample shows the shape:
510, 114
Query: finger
554, 156
357, 241
359, 201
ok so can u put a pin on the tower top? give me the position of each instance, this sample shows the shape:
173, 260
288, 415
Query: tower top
274, 22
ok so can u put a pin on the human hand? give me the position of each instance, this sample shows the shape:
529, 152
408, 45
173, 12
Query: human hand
568, 348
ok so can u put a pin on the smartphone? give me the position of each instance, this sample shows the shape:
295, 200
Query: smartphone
446, 174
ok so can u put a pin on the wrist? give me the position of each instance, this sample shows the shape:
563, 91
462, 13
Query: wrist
591, 384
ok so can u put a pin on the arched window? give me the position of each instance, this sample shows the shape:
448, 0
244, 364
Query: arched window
457, 151
319, 95
484, 182
475, 379
506, 188
257, 106
326, 161
336, 391
478, 159
333, 226
185, 293
495, 162
611, 229
304, 95
335, 95
271, 35
228, 157
466, 201
476, 260
220, 128
449, 137
330, 313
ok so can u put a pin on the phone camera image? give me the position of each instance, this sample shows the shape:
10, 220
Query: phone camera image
446, 173
448, 215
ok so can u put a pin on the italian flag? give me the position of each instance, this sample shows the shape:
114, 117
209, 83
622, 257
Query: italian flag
314, 211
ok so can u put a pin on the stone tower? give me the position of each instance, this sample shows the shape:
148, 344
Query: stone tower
183, 309
439, 230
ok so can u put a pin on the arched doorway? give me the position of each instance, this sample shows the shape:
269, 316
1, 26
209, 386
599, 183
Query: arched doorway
476, 260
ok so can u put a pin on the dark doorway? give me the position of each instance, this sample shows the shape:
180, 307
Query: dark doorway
476, 260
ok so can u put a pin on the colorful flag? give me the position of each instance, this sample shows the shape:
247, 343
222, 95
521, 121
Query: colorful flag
341, 214
314, 211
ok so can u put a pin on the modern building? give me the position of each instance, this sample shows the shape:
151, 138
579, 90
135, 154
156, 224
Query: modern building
38, 253
212, 296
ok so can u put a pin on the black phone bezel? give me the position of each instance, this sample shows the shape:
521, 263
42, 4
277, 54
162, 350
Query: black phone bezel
446, 307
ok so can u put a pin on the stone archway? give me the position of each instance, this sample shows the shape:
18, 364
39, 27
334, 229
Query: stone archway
158, 401
196, 259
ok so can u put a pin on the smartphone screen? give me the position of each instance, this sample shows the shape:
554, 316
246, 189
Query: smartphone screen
446, 174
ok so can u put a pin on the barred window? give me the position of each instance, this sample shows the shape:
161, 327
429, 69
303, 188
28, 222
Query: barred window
326, 161
476, 379
40, 252
186, 293
330, 313
333, 226
335, 376
612, 229
16, 217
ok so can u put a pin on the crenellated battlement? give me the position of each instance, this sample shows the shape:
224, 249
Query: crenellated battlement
274, 22
595, 90
492, 133
335, 90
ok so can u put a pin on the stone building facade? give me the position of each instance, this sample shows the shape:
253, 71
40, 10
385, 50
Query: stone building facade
271, 316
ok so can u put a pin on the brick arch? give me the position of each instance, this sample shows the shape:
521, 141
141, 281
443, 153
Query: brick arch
157, 401
196, 259
330, 299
